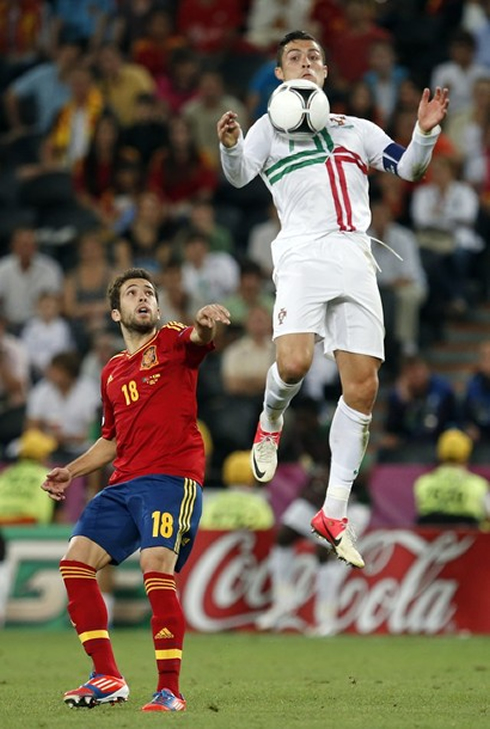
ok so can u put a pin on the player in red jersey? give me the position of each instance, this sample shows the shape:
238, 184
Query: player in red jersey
153, 501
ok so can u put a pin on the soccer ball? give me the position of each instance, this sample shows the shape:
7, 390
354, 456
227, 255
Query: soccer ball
298, 109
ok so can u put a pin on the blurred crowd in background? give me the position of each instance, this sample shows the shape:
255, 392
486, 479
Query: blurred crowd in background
109, 159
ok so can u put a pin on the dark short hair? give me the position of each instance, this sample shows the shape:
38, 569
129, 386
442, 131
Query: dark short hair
70, 362
293, 36
114, 290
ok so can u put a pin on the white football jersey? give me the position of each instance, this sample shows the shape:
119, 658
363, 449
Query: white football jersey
320, 185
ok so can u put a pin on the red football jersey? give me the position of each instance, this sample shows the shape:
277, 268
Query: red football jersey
150, 408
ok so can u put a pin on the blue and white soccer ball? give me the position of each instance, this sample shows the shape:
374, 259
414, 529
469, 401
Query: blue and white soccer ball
298, 109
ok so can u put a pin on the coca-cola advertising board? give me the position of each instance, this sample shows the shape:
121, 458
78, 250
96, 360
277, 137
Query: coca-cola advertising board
415, 582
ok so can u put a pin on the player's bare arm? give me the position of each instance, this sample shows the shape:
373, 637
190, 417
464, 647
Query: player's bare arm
206, 321
58, 479
228, 129
431, 112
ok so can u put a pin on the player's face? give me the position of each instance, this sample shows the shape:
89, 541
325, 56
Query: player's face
302, 59
139, 310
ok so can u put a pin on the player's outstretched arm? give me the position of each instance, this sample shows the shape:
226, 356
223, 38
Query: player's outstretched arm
431, 112
58, 479
206, 320
228, 129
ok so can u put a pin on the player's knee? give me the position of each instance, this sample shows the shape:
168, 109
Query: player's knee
360, 394
293, 368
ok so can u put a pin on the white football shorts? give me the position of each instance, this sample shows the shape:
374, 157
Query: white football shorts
328, 287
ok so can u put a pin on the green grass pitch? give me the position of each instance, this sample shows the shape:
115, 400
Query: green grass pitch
251, 681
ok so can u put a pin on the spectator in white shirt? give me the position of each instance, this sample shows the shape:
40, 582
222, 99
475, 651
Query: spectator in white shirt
64, 405
401, 279
460, 72
207, 276
24, 275
46, 334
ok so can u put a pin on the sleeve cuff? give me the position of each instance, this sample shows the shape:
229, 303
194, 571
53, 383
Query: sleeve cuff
426, 135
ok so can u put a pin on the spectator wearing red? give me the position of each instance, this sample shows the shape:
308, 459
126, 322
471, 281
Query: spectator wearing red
181, 173
211, 26
348, 51
154, 48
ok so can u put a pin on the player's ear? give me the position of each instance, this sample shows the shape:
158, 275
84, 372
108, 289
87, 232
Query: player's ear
278, 72
115, 315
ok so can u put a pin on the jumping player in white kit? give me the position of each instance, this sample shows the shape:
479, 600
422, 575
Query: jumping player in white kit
324, 271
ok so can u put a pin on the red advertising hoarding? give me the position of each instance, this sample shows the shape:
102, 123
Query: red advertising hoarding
416, 581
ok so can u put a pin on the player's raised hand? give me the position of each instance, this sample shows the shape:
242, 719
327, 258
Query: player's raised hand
211, 313
57, 481
228, 129
432, 111
206, 320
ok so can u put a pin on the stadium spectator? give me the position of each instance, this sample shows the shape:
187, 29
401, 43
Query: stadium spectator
121, 83
208, 105
159, 460
269, 20
401, 279
173, 299
202, 219
130, 22
466, 127
181, 173
149, 130
249, 294
360, 101
24, 275
21, 498
259, 88
246, 361
104, 344
147, 241
179, 84
46, 334
482, 37
14, 385
444, 213
349, 50
75, 123
210, 26
384, 77
23, 37
83, 21
47, 86
420, 406
476, 398
460, 72
85, 287
208, 276
450, 494
240, 505
154, 47
64, 405
260, 239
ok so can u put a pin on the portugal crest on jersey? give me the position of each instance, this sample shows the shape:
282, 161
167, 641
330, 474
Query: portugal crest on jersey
149, 358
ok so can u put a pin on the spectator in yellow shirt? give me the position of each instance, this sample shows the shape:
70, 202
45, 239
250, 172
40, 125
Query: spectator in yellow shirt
450, 493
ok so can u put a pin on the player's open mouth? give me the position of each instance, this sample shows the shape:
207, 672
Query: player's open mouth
142, 310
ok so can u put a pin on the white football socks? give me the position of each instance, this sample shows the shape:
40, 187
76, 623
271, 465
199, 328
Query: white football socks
278, 395
349, 436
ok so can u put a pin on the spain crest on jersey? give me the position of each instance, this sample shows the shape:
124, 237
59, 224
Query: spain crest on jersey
149, 358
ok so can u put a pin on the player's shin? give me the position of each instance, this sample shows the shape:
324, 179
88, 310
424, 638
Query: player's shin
168, 627
88, 614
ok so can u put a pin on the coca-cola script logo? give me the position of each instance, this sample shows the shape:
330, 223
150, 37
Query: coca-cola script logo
411, 583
